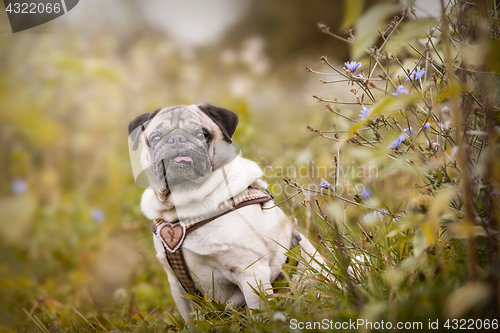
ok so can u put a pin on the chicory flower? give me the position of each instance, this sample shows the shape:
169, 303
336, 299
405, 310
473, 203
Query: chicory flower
352, 66
19, 186
409, 131
324, 185
401, 91
415, 74
97, 215
366, 194
364, 113
397, 142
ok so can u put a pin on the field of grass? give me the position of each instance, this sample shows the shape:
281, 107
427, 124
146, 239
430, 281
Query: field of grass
392, 169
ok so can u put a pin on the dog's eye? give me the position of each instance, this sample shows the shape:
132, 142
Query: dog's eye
201, 136
155, 140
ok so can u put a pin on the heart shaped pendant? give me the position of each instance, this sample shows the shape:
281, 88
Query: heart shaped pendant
172, 235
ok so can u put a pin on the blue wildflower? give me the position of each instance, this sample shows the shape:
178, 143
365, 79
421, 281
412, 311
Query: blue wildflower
375, 215
409, 131
427, 127
364, 113
352, 66
324, 184
97, 215
366, 194
401, 91
415, 74
19, 186
398, 141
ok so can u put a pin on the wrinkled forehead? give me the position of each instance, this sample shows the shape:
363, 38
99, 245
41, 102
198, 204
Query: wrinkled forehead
181, 116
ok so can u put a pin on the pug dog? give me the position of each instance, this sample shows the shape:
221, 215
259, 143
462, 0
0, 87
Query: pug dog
193, 169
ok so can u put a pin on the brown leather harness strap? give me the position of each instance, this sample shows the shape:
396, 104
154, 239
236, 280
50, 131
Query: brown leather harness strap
178, 265
173, 235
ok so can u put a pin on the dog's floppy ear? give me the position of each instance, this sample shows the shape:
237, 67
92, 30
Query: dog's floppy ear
227, 120
139, 122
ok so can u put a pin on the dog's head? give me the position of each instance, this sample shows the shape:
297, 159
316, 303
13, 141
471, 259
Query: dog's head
183, 143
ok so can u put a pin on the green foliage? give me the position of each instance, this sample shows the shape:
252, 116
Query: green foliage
352, 11
368, 25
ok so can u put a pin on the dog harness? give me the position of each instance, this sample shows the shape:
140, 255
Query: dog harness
172, 235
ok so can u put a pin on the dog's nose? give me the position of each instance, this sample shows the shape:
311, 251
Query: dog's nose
176, 141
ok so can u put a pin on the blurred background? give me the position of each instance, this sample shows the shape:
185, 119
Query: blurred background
73, 239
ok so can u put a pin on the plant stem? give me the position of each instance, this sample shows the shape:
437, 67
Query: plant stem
461, 154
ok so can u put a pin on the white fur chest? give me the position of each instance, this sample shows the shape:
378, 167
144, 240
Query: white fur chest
220, 253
